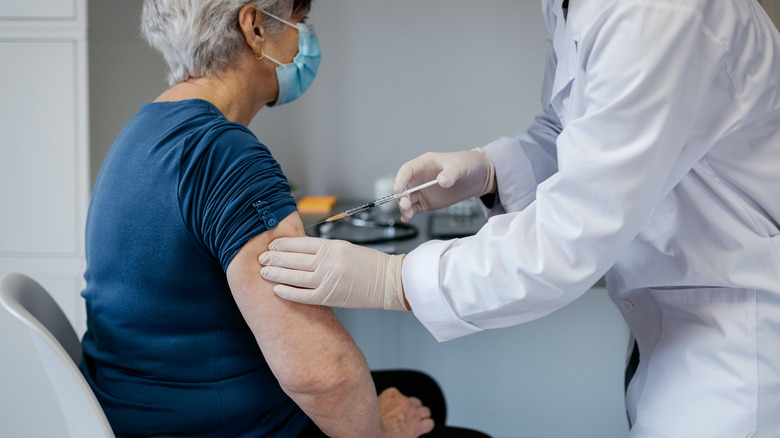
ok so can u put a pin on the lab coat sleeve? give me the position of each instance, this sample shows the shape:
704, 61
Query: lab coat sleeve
646, 69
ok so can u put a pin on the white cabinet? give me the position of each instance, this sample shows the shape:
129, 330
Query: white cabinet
39, 9
44, 145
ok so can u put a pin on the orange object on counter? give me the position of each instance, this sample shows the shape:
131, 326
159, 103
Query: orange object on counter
316, 204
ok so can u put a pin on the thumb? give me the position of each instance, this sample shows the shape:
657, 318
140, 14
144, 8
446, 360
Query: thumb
291, 277
453, 169
447, 178
305, 296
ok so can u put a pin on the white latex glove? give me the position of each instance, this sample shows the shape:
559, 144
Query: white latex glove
333, 273
461, 175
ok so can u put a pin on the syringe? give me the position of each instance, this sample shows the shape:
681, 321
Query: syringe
372, 204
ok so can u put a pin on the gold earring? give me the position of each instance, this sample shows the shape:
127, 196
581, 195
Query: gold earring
260, 56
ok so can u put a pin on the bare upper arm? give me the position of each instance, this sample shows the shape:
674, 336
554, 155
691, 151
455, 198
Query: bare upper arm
296, 339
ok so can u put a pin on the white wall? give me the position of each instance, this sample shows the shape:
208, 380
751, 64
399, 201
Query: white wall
124, 73
400, 78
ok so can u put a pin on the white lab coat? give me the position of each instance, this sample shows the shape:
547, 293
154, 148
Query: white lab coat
655, 163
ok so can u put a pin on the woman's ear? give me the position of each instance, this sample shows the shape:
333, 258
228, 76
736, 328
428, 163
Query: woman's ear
250, 21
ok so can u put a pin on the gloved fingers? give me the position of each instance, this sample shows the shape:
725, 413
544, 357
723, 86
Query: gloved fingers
306, 244
411, 205
290, 277
403, 178
299, 295
417, 171
404, 203
292, 260
407, 215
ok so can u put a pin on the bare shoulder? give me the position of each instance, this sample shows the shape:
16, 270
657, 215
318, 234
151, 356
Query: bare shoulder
275, 322
291, 226
243, 272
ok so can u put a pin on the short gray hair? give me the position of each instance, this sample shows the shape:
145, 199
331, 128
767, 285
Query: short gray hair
201, 37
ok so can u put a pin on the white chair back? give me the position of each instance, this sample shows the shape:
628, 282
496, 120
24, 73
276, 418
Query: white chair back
43, 393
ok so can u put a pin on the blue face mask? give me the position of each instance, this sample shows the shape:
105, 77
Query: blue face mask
296, 77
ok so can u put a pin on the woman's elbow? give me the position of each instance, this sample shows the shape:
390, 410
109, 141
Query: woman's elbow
322, 377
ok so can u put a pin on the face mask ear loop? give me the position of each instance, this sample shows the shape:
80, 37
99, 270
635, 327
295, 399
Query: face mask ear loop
273, 60
283, 21
279, 18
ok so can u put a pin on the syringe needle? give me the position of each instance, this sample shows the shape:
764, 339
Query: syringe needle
316, 223
372, 204
336, 217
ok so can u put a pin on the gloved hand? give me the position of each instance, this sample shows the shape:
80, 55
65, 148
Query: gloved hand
461, 175
333, 273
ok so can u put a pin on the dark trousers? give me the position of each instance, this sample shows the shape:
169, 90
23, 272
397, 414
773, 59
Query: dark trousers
412, 384
631, 367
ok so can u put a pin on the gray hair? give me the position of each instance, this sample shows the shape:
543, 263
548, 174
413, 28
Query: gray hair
201, 37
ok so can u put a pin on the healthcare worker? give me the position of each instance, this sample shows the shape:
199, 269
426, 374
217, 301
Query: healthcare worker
655, 163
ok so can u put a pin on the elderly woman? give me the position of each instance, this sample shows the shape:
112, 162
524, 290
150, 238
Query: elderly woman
184, 337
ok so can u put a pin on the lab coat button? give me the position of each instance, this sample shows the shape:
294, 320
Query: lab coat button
626, 306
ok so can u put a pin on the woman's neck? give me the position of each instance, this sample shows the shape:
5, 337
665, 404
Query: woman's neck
239, 92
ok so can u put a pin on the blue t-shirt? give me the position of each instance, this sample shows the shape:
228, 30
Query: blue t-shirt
167, 351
